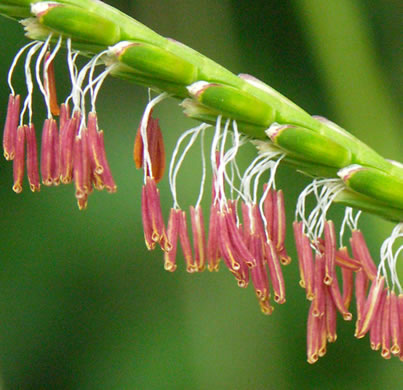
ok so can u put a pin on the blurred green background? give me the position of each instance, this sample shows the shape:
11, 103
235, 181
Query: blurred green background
83, 305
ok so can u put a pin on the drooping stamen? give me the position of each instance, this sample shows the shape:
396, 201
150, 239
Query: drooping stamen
50, 83
279, 227
19, 159
361, 284
330, 252
10, 127
154, 214
312, 341
199, 237
259, 273
191, 266
32, 158
213, 244
338, 300
385, 335
67, 135
348, 283
395, 325
361, 253
64, 115
101, 174
50, 167
146, 218
331, 317
155, 148
147, 163
305, 259
172, 235
318, 308
276, 274
322, 337
370, 307
80, 172
375, 332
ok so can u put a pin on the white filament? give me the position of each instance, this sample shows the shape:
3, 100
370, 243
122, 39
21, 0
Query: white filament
14, 64
315, 222
176, 164
30, 85
389, 258
143, 131
350, 221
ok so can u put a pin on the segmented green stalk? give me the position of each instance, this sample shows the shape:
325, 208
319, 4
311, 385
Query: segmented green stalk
313, 145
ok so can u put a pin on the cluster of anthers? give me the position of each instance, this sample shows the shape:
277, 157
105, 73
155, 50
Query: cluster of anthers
72, 148
247, 223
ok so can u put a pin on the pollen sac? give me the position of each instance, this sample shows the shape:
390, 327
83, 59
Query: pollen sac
101, 172
172, 235
19, 159
32, 158
155, 150
68, 131
154, 227
199, 237
50, 156
50, 85
184, 239
10, 127
213, 240
361, 253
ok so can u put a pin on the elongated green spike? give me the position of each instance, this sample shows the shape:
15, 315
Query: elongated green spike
233, 103
14, 11
76, 22
374, 183
309, 146
155, 62
313, 145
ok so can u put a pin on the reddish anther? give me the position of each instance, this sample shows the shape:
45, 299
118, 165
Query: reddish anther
276, 274
385, 335
318, 307
19, 159
32, 158
330, 252
156, 149
67, 136
370, 307
213, 244
172, 235
331, 317
361, 253
50, 85
185, 243
375, 332
199, 237
348, 286
394, 325
49, 152
10, 127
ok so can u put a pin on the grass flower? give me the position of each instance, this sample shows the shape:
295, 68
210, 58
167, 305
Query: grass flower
246, 228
